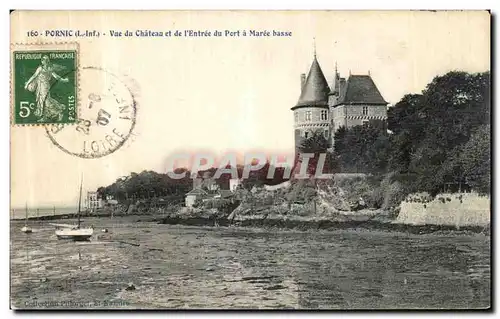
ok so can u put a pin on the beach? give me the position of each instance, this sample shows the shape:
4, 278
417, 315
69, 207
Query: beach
146, 265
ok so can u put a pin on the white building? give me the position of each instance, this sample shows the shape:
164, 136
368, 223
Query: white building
234, 183
93, 201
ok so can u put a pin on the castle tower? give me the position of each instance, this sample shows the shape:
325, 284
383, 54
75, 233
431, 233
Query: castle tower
324, 108
311, 113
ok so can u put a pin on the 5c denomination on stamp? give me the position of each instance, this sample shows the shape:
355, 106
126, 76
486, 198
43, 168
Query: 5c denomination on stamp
106, 120
44, 84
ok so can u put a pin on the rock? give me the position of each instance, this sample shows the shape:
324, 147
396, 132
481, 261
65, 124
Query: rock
130, 287
275, 287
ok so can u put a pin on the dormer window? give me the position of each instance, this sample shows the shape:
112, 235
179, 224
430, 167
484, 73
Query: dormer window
324, 115
365, 110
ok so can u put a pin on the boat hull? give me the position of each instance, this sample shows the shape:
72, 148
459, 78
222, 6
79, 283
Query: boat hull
26, 230
80, 234
74, 237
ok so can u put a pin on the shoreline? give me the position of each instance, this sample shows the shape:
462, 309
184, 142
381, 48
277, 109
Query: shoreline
74, 216
276, 223
324, 224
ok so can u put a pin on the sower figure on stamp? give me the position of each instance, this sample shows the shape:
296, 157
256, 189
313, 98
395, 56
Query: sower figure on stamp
46, 106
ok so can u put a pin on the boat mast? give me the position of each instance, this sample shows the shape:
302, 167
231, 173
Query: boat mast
80, 202
26, 219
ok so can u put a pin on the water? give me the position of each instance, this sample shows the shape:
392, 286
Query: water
203, 267
20, 213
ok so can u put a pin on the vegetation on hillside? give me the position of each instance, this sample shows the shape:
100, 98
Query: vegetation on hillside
436, 141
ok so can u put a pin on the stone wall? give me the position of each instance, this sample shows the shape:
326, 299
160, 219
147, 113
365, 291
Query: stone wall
465, 209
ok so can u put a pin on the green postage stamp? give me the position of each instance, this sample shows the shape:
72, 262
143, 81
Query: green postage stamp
44, 84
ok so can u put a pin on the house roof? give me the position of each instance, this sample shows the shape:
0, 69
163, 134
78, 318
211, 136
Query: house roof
197, 191
225, 193
315, 89
360, 89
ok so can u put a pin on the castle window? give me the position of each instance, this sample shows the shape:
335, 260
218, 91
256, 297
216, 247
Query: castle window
365, 122
326, 134
296, 117
306, 134
365, 110
308, 116
324, 115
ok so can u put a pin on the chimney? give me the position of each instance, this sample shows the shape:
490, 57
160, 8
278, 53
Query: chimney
197, 182
302, 80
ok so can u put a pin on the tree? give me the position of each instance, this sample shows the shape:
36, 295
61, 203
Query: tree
317, 144
476, 160
407, 116
146, 185
362, 148
431, 128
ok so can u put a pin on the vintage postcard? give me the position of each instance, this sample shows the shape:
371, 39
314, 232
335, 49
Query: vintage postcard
250, 160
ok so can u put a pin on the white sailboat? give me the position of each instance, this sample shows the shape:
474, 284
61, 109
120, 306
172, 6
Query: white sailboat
26, 229
74, 232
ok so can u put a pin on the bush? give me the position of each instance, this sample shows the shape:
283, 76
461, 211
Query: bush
197, 203
217, 203
357, 188
269, 199
301, 191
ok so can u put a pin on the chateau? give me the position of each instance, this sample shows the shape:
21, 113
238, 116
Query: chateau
350, 102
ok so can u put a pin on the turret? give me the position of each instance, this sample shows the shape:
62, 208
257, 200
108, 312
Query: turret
333, 96
311, 112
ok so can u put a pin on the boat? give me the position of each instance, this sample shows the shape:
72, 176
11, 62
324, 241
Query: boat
106, 230
74, 232
26, 229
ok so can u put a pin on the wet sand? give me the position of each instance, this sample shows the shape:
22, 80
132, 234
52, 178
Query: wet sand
172, 266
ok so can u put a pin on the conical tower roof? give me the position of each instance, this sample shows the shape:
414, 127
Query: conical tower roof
315, 90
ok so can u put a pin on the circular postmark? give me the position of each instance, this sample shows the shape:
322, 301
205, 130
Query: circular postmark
106, 117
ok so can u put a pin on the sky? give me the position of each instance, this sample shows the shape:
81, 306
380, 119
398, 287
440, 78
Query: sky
230, 93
